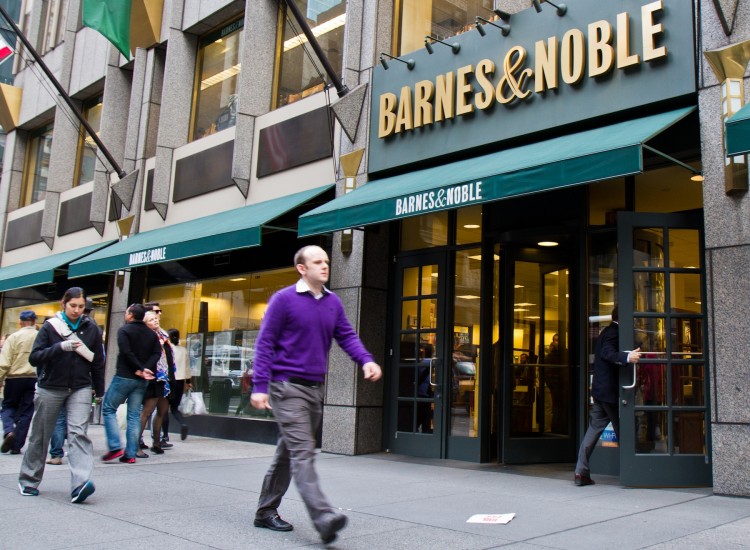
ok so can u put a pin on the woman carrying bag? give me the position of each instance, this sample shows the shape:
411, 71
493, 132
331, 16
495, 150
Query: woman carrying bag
69, 356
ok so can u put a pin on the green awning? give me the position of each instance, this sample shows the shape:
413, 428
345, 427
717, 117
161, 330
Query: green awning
42, 270
737, 132
230, 230
603, 153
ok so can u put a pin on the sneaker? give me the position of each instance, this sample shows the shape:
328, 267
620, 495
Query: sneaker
127, 460
28, 491
111, 455
8, 441
55, 461
82, 493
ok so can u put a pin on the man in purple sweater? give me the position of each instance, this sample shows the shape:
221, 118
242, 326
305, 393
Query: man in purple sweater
291, 360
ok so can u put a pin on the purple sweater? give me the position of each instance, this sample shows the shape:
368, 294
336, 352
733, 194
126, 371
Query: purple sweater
295, 338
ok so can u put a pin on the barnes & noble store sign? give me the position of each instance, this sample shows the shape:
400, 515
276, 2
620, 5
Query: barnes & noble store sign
601, 57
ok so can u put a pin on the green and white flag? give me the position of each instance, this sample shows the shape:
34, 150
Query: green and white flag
111, 18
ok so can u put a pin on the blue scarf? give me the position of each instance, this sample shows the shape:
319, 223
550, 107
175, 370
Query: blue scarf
73, 327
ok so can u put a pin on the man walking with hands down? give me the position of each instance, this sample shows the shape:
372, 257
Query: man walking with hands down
605, 393
291, 358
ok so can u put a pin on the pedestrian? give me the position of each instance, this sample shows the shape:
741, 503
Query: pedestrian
139, 350
20, 382
179, 381
289, 371
157, 390
169, 351
69, 358
57, 441
605, 394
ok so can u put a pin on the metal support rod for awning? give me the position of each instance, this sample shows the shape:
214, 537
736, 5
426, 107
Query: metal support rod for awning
341, 88
113, 163
672, 159
290, 229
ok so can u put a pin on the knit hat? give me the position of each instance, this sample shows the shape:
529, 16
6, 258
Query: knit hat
27, 315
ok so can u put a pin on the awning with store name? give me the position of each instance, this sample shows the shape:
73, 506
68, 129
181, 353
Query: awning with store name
42, 270
599, 154
221, 232
737, 132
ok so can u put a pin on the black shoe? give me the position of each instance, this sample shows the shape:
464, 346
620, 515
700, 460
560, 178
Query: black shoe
142, 445
184, 432
164, 444
8, 441
157, 450
274, 523
141, 454
330, 532
16, 452
581, 480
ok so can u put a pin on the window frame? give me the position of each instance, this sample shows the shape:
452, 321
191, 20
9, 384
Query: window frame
31, 162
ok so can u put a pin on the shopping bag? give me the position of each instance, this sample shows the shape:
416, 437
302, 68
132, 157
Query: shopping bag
187, 404
122, 416
200, 405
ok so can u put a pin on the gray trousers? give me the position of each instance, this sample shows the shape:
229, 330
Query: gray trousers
47, 405
299, 412
601, 414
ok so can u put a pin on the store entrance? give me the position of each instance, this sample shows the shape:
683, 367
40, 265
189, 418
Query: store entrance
539, 358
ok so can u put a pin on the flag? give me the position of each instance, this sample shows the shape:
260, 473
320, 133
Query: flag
5, 50
110, 18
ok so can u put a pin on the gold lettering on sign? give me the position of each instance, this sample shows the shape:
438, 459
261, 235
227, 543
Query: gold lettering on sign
545, 67
572, 56
601, 52
423, 92
513, 61
445, 89
463, 89
650, 30
485, 98
403, 118
387, 118
624, 57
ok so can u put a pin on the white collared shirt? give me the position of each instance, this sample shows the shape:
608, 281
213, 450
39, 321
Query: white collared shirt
302, 287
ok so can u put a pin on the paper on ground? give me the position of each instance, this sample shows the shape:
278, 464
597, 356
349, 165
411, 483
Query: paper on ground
491, 518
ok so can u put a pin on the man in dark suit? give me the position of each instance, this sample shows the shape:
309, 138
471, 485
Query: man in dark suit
605, 393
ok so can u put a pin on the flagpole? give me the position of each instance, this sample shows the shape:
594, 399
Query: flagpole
113, 163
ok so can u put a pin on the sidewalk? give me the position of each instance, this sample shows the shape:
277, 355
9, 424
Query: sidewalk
202, 494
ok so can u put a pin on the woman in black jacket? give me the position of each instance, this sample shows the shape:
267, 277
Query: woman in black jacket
69, 356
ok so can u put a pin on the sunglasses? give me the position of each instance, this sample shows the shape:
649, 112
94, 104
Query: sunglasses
156, 310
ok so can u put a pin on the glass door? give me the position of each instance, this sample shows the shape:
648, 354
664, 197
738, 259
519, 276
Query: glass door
418, 359
539, 380
664, 398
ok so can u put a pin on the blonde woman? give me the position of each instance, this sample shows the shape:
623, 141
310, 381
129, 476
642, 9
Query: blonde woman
157, 392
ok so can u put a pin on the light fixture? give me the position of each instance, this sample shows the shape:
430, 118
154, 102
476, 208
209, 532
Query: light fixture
547, 243
409, 63
562, 9
505, 16
429, 40
696, 177
238, 279
505, 29
472, 226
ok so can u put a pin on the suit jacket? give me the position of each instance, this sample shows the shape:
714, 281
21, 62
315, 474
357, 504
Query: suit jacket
607, 361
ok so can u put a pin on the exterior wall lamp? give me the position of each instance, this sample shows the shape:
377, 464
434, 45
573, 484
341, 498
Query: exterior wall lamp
409, 63
504, 28
729, 65
429, 40
561, 8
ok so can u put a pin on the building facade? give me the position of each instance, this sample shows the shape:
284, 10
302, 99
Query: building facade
494, 179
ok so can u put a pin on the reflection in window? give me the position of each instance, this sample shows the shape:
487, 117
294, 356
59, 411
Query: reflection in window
46, 310
300, 72
37, 166
439, 18
219, 320
218, 70
87, 149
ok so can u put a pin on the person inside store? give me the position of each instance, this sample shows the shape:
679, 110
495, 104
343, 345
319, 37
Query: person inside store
20, 382
605, 393
157, 391
289, 372
69, 358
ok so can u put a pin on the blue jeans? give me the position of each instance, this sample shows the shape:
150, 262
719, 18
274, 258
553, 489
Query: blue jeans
18, 408
120, 390
59, 435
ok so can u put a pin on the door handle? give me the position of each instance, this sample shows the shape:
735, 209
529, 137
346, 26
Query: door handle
432, 372
631, 386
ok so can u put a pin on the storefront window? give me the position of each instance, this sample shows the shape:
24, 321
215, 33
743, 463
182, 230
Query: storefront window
87, 149
219, 320
469, 225
667, 190
438, 18
300, 71
424, 231
218, 71
37, 166
606, 198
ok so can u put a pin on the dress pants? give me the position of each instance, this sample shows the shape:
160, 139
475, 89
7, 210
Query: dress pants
48, 404
601, 414
298, 411
18, 408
